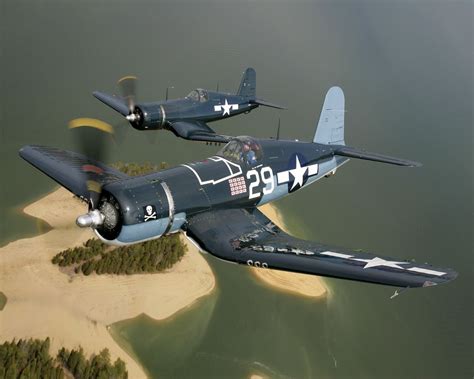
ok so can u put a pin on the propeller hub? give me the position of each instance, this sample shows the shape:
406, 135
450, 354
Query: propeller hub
91, 219
132, 117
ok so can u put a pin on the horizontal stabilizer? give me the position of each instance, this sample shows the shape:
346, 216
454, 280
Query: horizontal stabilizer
266, 103
351, 152
115, 102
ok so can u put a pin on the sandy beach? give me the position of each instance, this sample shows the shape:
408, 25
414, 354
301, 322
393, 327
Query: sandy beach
76, 311
43, 302
301, 284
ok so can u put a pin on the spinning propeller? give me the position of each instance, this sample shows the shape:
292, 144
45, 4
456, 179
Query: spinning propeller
93, 136
125, 105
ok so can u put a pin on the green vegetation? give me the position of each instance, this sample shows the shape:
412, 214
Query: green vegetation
146, 257
31, 359
98, 366
3, 301
134, 169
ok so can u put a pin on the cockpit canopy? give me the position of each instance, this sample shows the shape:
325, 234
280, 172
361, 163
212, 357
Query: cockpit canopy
245, 150
199, 95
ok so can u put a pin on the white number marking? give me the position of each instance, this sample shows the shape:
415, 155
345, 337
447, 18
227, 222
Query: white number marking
267, 180
254, 184
266, 173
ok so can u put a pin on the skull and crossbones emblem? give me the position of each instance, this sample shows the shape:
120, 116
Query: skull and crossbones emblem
150, 213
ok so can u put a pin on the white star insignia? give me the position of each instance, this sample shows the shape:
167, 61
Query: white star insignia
226, 108
298, 173
374, 262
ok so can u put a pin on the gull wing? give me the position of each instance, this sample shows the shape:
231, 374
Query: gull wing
69, 169
247, 236
196, 131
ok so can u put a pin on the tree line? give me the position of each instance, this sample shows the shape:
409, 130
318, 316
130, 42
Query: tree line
146, 257
134, 169
31, 359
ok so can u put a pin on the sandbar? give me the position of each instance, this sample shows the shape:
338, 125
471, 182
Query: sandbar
77, 310
300, 284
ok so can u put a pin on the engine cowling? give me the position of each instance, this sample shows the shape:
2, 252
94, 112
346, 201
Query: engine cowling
147, 117
137, 210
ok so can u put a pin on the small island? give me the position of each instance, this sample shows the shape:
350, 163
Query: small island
31, 359
76, 310
75, 305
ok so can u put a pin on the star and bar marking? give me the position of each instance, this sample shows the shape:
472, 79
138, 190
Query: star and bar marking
377, 261
226, 108
299, 174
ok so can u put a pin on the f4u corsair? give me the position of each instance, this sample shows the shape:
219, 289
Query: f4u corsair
215, 201
187, 117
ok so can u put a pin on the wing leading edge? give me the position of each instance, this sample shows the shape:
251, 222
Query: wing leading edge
69, 169
196, 131
249, 237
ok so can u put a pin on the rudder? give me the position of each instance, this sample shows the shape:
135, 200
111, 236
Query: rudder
330, 129
248, 84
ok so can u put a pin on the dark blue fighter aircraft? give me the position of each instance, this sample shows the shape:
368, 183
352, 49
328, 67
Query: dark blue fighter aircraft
215, 202
187, 117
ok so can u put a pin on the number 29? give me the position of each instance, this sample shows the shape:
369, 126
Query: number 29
265, 176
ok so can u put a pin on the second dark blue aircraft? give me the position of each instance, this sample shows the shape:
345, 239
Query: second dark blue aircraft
186, 117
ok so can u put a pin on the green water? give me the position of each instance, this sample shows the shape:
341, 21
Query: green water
406, 69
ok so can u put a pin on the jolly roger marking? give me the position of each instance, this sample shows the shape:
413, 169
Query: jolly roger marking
149, 212
296, 177
226, 108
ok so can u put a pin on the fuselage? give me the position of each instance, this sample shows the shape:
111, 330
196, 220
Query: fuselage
199, 105
208, 106
246, 172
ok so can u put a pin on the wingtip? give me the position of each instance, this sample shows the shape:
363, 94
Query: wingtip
24, 150
413, 164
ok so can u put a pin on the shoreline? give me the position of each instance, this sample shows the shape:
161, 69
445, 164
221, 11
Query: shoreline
290, 282
72, 311
78, 311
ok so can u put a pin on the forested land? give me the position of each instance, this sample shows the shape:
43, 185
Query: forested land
31, 359
146, 257
134, 169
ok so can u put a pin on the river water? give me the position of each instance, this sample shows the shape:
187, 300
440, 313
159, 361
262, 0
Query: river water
406, 69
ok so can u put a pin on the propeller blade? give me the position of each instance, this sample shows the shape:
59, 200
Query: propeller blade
92, 123
128, 87
92, 137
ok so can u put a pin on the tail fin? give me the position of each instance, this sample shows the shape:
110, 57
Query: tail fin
330, 129
248, 84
